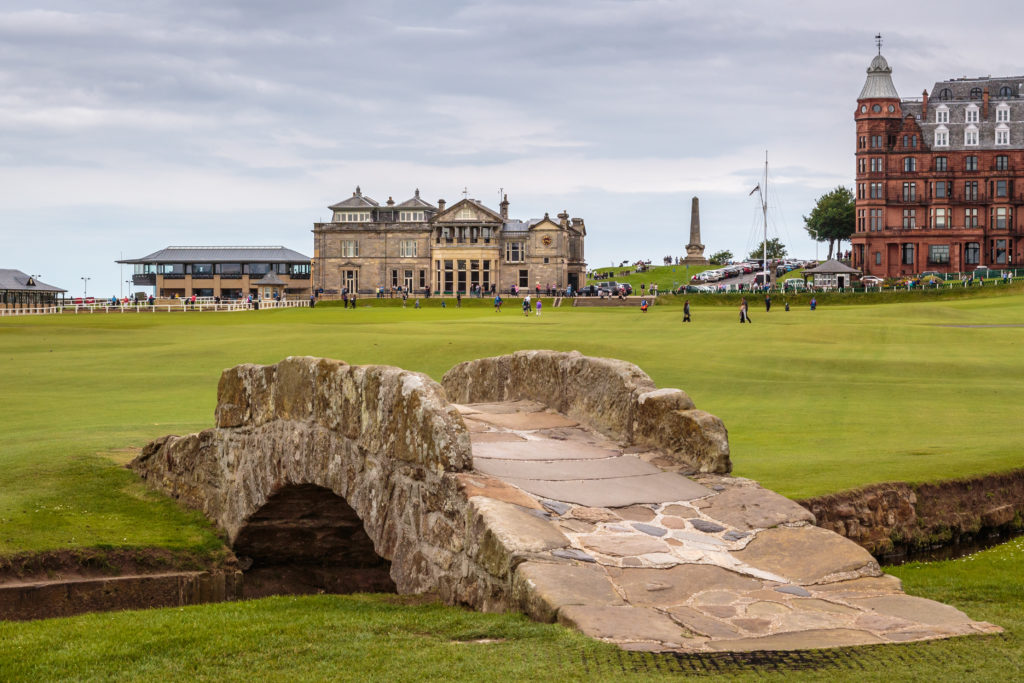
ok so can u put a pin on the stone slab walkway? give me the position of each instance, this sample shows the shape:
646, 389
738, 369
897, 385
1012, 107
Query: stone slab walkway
650, 559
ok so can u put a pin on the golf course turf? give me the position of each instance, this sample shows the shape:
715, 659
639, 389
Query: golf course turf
815, 402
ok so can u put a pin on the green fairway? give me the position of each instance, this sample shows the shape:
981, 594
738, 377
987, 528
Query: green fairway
814, 402
364, 637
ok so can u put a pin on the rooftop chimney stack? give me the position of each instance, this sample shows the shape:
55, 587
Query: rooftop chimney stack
440, 205
504, 208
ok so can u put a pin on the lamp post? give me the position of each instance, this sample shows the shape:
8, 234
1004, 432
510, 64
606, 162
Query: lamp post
85, 286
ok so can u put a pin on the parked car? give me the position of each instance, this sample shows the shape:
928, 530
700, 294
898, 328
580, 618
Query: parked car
793, 284
871, 281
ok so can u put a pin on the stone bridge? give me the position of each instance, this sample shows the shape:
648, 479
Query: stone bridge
568, 487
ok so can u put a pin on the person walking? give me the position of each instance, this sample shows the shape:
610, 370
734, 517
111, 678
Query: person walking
538, 306
814, 303
767, 303
526, 305
686, 311
744, 316
458, 299
643, 305
497, 303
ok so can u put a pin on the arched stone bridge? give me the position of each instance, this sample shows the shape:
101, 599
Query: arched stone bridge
565, 486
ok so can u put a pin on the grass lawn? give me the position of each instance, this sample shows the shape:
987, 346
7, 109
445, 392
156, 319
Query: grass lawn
666, 277
365, 637
814, 402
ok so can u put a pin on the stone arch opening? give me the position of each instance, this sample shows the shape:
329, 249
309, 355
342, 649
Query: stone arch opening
307, 539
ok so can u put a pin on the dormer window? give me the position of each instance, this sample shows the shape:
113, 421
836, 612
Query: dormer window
942, 114
945, 94
410, 216
975, 93
972, 114
351, 216
1002, 134
971, 136
1003, 114
1006, 91
942, 136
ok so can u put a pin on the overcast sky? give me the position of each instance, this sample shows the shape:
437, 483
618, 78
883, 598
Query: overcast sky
126, 127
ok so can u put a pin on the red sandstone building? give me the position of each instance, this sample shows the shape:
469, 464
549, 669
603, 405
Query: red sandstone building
940, 178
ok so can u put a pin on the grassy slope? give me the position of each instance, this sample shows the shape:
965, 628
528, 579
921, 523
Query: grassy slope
815, 402
373, 638
666, 277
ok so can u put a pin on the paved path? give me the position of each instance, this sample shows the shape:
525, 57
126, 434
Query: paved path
662, 561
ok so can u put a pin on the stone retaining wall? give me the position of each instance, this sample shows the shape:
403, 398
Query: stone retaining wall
895, 519
613, 396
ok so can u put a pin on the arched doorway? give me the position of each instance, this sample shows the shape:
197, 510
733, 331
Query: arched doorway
307, 539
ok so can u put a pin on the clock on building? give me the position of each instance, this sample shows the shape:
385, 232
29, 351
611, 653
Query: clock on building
546, 240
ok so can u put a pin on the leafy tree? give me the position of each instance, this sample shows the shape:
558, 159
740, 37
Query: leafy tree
776, 249
720, 257
833, 218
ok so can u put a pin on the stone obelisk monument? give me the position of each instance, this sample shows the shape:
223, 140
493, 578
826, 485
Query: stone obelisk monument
695, 250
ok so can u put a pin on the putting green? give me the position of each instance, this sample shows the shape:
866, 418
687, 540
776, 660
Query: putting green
814, 401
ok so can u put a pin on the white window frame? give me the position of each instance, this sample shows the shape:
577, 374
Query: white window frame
349, 248
1002, 135
351, 216
971, 136
942, 114
941, 137
510, 252
971, 114
940, 217
408, 249
1003, 113
410, 216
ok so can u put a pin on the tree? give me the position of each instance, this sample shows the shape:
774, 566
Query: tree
720, 257
775, 250
833, 218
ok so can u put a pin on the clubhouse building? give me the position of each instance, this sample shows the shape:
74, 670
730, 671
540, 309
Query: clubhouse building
20, 290
464, 248
226, 272
940, 178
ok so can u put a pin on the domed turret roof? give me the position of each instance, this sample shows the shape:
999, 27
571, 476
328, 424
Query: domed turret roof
879, 81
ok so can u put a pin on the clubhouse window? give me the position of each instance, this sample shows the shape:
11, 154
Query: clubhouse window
941, 163
1002, 135
349, 248
907, 250
940, 217
939, 189
515, 252
876, 220
407, 249
970, 218
1000, 188
942, 137
938, 253
971, 190
876, 191
878, 258
971, 163
999, 251
971, 136
942, 114
876, 164
909, 164
1002, 162
1003, 114
972, 253
909, 219
1000, 217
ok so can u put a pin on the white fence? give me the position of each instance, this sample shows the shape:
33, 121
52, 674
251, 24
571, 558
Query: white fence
177, 306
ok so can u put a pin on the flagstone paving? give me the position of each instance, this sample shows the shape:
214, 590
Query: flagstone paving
650, 559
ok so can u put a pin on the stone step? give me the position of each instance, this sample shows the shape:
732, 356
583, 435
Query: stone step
653, 560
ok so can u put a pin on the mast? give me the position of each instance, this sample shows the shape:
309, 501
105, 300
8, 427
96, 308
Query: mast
764, 213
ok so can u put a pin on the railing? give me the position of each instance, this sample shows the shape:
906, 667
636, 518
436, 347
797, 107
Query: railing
174, 306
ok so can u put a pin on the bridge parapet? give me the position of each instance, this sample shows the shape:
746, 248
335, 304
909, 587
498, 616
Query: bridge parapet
613, 396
